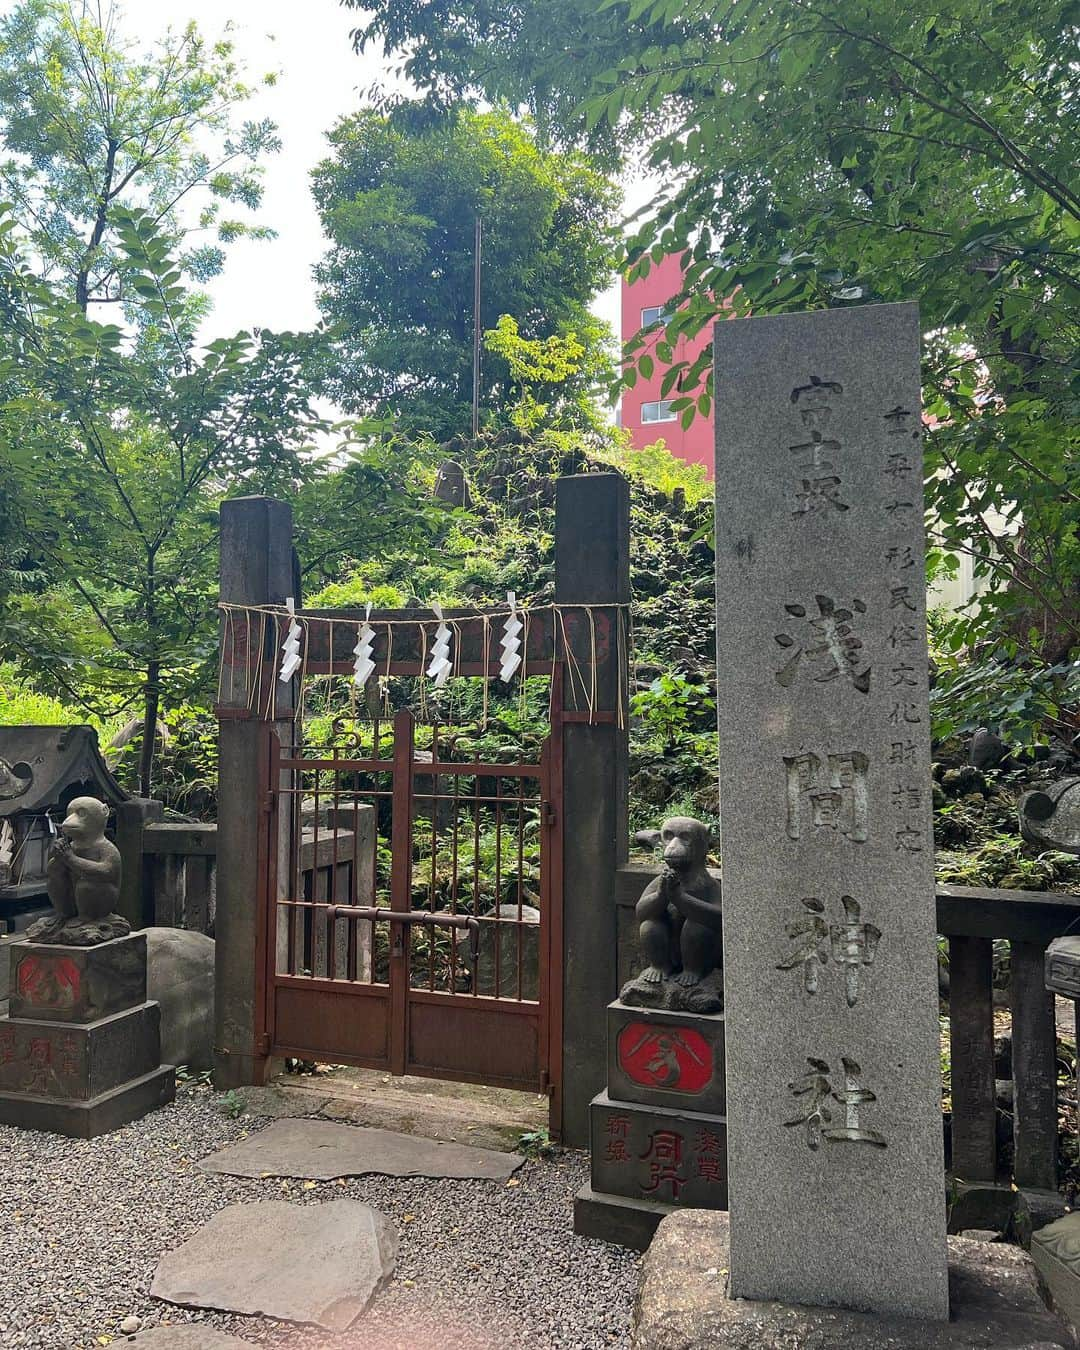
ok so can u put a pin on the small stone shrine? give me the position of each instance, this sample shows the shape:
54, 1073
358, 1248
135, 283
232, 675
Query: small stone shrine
80, 1049
835, 1151
42, 769
657, 1134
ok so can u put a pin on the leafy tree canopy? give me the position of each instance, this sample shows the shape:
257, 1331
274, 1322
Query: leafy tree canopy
115, 456
399, 199
816, 154
91, 129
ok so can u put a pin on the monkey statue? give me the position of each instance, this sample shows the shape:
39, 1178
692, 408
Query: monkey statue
83, 881
679, 919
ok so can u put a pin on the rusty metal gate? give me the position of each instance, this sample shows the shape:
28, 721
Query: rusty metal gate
411, 902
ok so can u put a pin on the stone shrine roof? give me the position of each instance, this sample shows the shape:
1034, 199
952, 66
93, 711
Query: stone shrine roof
39, 765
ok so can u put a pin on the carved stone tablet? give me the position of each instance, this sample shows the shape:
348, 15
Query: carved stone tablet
833, 1083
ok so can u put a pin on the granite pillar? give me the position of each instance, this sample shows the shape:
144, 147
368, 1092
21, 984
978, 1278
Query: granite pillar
833, 1083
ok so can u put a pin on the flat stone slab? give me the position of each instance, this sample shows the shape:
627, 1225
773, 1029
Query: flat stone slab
189, 1336
316, 1264
320, 1150
682, 1302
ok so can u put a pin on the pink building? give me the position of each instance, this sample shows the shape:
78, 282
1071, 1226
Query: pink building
645, 414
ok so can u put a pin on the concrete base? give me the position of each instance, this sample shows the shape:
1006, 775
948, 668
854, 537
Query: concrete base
100, 1114
683, 1302
618, 1219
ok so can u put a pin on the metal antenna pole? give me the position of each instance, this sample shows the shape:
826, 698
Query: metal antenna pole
477, 245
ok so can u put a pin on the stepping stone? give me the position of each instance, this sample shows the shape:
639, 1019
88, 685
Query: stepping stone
319, 1150
188, 1336
297, 1263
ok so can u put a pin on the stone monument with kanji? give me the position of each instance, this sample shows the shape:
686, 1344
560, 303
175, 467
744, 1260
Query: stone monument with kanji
834, 1130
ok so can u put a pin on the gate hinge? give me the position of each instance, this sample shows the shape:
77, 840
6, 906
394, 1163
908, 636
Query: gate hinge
269, 801
262, 1044
545, 1083
550, 814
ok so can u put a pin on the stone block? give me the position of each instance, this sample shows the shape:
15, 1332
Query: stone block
50, 982
1034, 1210
321, 1150
180, 979
1055, 1250
503, 933
671, 1059
652, 1153
683, 1302
97, 1115
78, 1061
973, 1205
618, 1219
185, 1336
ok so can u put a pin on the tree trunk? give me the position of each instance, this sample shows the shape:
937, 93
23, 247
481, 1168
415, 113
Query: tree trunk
151, 702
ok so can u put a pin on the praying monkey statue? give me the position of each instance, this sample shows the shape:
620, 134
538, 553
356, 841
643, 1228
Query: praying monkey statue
83, 881
679, 921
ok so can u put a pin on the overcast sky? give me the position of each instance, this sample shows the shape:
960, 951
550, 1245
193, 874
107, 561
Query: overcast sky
268, 284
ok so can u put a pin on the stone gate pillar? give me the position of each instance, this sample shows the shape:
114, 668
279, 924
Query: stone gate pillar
592, 566
256, 569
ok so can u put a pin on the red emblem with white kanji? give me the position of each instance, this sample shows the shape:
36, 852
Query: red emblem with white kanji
676, 1059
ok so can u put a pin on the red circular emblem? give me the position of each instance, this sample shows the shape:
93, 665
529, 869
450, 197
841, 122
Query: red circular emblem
676, 1059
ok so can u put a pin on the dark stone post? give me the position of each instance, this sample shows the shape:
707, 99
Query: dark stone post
592, 566
132, 818
256, 569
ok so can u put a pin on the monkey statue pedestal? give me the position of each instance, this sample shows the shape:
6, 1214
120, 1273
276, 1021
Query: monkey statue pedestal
80, 1050
658, 1134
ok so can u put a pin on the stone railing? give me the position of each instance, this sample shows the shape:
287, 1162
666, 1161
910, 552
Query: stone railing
971, 919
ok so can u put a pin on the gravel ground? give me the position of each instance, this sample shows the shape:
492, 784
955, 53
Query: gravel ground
481, 1265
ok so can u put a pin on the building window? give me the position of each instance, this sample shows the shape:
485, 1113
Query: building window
658, 412
654, 314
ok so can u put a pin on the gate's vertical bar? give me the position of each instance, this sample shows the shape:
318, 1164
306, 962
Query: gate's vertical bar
551, 908
268, 924
256, 569
401, 828
592, 568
